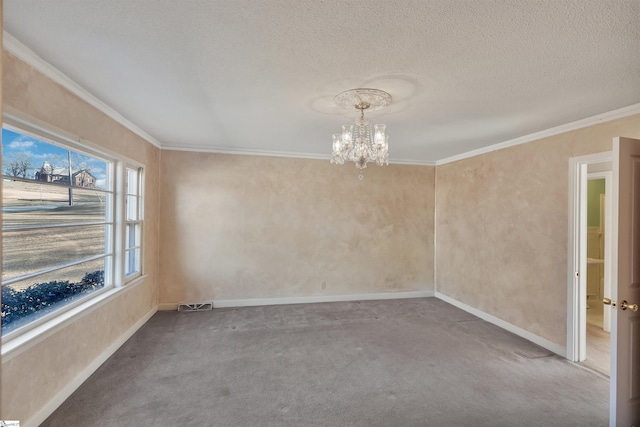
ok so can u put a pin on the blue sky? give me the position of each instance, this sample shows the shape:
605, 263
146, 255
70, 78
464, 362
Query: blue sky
39, 151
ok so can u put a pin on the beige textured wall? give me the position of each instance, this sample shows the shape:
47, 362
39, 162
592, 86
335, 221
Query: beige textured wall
31, 379
241, 227
502, 227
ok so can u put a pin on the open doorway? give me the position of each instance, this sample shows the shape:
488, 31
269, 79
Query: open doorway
590, 262
598, 271
622, 253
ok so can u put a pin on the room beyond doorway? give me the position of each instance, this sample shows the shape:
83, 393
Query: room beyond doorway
598, 339
590, 261
598, 349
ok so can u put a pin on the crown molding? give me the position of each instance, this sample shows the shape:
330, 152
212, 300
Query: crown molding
13, 45
245, 152
579, 124
412, 162
268, 153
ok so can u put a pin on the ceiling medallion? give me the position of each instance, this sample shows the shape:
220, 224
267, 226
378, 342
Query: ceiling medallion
361, 142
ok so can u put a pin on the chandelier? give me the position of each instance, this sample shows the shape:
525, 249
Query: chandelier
361, 142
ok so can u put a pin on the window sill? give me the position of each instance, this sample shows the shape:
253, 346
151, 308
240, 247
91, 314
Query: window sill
13, 347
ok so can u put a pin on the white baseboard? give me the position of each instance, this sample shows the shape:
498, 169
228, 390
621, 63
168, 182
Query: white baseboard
168, 306
252, 302
63, 394
556, 348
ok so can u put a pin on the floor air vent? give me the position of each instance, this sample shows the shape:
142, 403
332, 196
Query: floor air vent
196, 306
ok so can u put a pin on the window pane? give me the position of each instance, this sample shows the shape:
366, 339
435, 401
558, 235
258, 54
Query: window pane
30, 299
132, 237
33, 203
132, 256
132, 208
132, 181
86, 197
132, 262
47, 186
29, 251
28, 157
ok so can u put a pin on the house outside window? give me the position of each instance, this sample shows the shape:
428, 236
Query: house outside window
63, 211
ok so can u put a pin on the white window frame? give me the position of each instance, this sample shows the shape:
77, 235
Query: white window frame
114, 215
138, 221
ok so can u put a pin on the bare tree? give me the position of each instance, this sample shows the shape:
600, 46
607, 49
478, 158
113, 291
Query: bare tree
17, 165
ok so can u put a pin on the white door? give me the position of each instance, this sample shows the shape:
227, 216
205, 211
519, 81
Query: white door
625, 327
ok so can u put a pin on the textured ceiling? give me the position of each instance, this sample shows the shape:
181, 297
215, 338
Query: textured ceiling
260, 75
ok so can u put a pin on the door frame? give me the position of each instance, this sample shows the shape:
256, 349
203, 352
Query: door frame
577, 249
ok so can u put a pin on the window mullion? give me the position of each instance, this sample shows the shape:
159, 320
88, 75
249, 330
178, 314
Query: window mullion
45, 226
120, 228
52, 269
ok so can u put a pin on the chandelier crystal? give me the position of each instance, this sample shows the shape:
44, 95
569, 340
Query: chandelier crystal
362, 142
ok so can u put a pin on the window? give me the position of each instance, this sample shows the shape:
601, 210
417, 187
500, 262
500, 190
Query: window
60, 227
133, 228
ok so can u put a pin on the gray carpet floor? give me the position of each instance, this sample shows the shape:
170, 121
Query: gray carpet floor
413, 362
